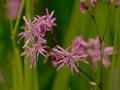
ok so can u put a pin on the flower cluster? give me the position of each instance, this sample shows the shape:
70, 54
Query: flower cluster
70, 56
95, 52
79, 51
34, 33
84, 6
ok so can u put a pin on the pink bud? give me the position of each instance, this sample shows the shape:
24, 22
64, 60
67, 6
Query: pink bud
93, 2
110, 1
83, 6
117, 4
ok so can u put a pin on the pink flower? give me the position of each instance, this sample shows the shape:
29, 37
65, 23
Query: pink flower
34, 51
78, 45
93, 3
28, 32
107, 51
83, 6
94, 52
61, 57
13, 8
44, 23
34, 33
95, 55
38, 27
49, 20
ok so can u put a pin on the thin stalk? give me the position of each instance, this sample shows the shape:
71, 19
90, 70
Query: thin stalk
94, 20
115, 40
17, 66
97, 29
102, 47
14, 74
100, 85
101, 60
108, 22
18, 19
99, 80
31, 76
27, 71
11, 25
86, 74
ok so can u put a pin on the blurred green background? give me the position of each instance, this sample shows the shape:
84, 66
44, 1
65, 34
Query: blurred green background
15, 75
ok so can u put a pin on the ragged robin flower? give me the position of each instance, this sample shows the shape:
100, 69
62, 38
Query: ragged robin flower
34, 33
95, 53
69, 57
34, 51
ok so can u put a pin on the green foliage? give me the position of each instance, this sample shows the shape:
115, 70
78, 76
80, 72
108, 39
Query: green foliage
70, 23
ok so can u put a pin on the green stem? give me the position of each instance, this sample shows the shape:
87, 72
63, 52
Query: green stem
97, 29
101, 60
115, 39
99, 75
99, 80
29, 8
94, 20
108, 22
18, 19
31, 75
86, 74
100, 84
102, 47
27, 71
11, 25
17, 63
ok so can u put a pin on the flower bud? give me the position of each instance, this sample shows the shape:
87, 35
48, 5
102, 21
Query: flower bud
83, 6
110, 1
93, 3
117, 4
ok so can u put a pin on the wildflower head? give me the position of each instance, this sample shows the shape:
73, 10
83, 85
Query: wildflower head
49, 20
69, 57
78, 45
95, 53
34, 33
44, 23
34, 50
107, 51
